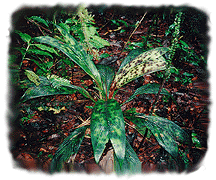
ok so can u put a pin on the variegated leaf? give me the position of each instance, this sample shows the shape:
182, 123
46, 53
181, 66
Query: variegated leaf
107, 123
76, 53
53, 85
67, 37
99, 129
148, 62
167, 133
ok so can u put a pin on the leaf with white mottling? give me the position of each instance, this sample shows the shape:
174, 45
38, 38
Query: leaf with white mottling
146, 63
107, 123
107, 73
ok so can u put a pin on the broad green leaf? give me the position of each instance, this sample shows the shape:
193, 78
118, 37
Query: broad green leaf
99, 129
65, 27
131, 163
76, 54
39, 52
46, 48
67, 37
165, 131
107, 123
139, 124
53, 85
41, 91
69, 147
151, 88
107, 74
33, 77
40, 20
25, 37
146, 63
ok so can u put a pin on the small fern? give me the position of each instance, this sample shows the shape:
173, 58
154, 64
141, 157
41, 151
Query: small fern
87, 33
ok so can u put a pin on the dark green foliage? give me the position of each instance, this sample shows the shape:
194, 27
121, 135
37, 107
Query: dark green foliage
69, 147
167, 133
132, 55
40, 20
25, 37
151, 88
107, 74
131, 163
39, 52
46, 48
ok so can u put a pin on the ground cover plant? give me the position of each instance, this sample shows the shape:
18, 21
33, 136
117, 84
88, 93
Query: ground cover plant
120, 91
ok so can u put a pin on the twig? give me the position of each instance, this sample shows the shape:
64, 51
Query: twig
143, 140
132, 126
119, 28
39, 27
134, 31
84, 122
